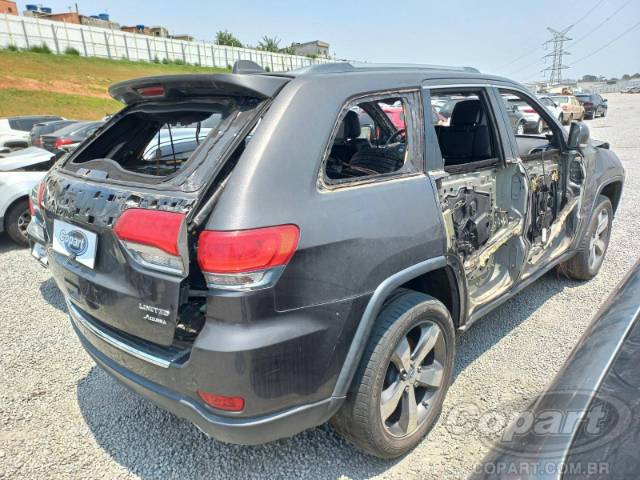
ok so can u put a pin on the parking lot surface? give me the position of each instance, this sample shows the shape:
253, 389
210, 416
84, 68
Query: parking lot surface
61, 416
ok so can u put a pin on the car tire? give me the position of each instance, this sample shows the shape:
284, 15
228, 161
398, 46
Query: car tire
17, 220
570, 119
389, 429
540, 127
520, 129
604, 113
586, 263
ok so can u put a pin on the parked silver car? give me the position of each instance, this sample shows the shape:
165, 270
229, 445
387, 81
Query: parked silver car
20, 171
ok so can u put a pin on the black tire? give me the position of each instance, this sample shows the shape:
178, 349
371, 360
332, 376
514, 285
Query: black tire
520, 128
604, 113
583, 265
540, 126
360, 419
14, 222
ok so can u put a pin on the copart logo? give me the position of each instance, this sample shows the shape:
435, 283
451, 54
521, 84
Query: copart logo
74, 242
604, 418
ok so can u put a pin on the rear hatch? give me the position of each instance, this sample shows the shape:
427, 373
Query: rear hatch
119, 211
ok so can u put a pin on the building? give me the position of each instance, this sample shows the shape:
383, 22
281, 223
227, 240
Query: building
102, 20
158, 31
316, 48
185, 37
154, 31
10, 8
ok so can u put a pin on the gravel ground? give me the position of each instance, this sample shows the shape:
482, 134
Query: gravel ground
61, 416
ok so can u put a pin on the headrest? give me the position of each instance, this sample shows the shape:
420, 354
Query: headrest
466, 113
351, 125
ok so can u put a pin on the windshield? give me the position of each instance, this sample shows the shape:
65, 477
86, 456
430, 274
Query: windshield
560, 99
583, 97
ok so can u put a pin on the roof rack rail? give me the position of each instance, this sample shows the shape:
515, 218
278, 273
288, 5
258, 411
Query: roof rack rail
339, 67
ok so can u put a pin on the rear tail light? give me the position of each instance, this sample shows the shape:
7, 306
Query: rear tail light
246, 259
155, 239
231, 404
32, 211
62, 141
565, 107
529, 110
41, 187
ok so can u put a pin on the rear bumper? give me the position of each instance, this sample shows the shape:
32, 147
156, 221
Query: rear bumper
239, 430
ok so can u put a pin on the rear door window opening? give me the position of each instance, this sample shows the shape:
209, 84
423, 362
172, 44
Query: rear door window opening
465, 128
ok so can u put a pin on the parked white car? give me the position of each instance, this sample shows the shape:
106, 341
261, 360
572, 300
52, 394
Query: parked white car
20, 172
552, 106
14, 131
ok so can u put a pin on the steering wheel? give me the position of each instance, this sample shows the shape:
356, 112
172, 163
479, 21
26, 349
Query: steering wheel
399, 133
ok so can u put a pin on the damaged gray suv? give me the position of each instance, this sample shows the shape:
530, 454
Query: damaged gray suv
261, 253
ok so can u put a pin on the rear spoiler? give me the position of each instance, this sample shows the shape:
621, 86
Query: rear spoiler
168, 87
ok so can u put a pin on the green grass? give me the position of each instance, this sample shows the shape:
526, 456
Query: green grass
70, 85
30, 102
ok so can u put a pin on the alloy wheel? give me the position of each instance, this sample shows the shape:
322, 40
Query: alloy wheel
413, 379
598, 242
23, 223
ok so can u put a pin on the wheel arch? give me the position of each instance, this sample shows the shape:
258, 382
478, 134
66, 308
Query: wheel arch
10, 205
423, 277
613, 191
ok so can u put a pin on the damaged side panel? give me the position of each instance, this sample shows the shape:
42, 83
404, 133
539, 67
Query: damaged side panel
484, 216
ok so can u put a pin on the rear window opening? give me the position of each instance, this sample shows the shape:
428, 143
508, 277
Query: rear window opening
158, 140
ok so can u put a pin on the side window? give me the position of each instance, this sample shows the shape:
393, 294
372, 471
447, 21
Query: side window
540, 133
466, 132
375, 136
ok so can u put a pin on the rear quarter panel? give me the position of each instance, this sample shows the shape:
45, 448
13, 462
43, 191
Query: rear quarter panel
14, 185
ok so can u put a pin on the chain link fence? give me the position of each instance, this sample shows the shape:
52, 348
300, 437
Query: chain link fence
27, 32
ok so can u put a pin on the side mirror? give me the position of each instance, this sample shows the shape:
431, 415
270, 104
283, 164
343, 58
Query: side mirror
604, 100
578, 136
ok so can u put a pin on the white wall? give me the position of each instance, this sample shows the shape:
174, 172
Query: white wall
25, 32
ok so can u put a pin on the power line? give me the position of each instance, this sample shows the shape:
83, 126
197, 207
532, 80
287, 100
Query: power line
529, 51
588, 12
634, 26
601, 23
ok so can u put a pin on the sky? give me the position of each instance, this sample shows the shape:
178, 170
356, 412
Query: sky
500, 37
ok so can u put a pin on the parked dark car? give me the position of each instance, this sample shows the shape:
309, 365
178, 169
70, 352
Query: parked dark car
288, 271
600, 381
44, 128
14, 131
69, 135
594, 105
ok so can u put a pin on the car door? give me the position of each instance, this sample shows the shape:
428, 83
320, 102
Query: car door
556, 181
481, 189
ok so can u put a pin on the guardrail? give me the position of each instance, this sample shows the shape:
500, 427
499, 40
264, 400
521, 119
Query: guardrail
26, 32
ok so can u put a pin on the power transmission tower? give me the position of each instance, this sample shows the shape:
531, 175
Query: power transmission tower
559, 37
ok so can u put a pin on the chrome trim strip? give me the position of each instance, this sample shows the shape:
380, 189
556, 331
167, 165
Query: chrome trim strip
77, 316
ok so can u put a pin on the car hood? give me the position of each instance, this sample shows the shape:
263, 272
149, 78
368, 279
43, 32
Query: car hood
23, 158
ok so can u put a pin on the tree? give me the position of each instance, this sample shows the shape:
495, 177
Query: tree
589, 78
626, 76
269, 44
635, 75
227, 38
290, 50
